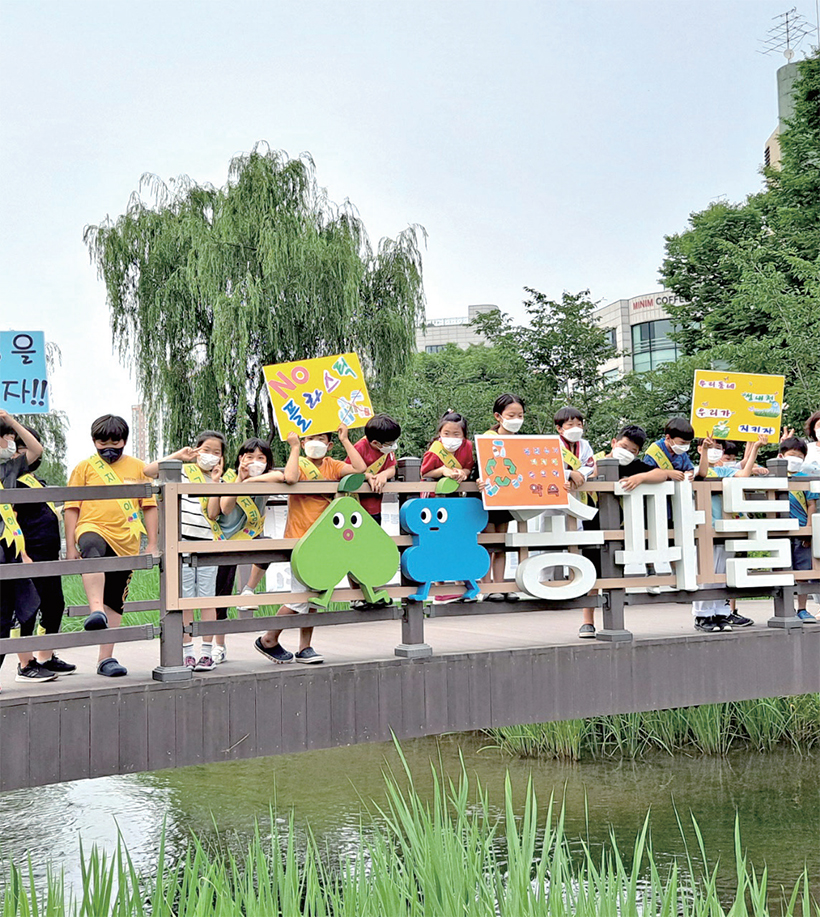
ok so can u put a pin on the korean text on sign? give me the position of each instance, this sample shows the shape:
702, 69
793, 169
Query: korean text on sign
23, 378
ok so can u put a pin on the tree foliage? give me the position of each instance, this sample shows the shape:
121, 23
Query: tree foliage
207, 285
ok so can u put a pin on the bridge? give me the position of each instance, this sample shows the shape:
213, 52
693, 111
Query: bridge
401, 670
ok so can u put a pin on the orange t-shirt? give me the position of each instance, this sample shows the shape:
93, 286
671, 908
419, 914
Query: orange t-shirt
305, 509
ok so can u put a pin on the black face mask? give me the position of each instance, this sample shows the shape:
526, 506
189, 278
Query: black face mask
110, 454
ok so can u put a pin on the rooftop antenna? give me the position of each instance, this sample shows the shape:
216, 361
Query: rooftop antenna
787, 34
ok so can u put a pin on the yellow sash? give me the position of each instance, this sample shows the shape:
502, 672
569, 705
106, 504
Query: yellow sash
253, 526
11, 533
661, 458
194, 473
310, 471
129, 508
447, 458
30, 481
575, 465
377, 466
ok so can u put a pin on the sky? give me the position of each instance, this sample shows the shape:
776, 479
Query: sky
547, 144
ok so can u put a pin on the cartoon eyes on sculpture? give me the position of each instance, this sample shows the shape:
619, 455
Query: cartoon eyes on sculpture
339, 522
441, 515
355, 520
426, 516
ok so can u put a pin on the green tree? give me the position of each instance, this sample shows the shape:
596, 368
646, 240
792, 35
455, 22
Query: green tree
207, 285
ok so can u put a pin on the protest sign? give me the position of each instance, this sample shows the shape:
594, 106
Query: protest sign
737, 405
315, 396
23, 379
521, 471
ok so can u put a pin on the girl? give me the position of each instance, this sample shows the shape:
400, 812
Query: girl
508, 412
450, 455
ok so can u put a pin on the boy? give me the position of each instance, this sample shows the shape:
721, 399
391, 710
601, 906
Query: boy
303, 511
671, 452
794, 451
717, 615
108, 528
378, 449
575, 450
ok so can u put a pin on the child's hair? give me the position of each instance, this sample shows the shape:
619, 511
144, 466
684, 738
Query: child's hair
33, 466
811, 423
212, 434
634, 434
381, 428
679, 426
452, 417
504, 401
109, 427
792, 442
6, 430
730, 447
251, 445
565, 414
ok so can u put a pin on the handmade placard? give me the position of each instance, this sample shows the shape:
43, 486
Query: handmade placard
737, 405
315, 396
23, 379
522, 472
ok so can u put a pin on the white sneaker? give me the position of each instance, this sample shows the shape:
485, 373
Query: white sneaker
218, 653
246, 591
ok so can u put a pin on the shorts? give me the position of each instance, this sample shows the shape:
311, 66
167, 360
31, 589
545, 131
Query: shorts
115, 592
801, 554
198, 582
301, 608
225, 578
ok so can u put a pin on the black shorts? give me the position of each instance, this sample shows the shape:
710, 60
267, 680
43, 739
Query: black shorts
225, 578
117, 582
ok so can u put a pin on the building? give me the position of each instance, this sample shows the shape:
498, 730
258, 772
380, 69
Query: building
439, 332
639, 329
138, 440
786, 76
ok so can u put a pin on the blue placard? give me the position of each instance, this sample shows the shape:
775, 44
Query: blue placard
23, 379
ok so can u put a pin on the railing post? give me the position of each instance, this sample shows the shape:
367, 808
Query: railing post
170, 666
412, 644
609, 514
784, 616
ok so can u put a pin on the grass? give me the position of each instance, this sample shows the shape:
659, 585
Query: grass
710, 729
447, 855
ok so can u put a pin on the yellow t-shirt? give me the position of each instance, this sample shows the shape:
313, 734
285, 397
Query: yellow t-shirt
105, 517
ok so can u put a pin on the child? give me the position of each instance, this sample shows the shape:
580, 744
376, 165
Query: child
576, 451
303, 511
378, 449
716, 615
730, 455
108, 528
671, 452
812, 428
19, 599
794, 451
508, 411
197, 522
450, 455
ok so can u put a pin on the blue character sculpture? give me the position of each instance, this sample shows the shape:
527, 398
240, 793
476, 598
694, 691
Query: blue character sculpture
445, 544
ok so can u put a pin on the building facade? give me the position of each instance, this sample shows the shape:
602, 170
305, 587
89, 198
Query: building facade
138, 440
439, 332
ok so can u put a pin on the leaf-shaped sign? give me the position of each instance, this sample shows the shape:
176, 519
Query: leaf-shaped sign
351, 483
446, 486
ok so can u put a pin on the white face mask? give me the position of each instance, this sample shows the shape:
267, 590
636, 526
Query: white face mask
624, 456
206, 461
256, 468
451, 443
793, 463
316, 449
574, 434
512, 424
8, 450
390, 447
714, 455
678, 449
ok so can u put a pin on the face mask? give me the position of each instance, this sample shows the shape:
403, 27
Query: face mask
9, 450
793, 463
451, 443
316, 449
714, 455
390, 447
110, 454
206, 461
680, 450
573, 435
624, 456
255, 468
512, 424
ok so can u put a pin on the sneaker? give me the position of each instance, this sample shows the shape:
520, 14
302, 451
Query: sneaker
97, 620
246, 591
722, 622
34, 672
309, 656
189, 662
111, 668
219, 654
586, 631
737, 620
364, 605
58, 666
806, 616
205, 664
445, 599
707, 625
495, 597
513, 597
275, 653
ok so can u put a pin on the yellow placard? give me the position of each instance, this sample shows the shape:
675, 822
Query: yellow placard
315, 396
737, 405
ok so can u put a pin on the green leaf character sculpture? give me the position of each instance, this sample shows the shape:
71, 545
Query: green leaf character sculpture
344, 540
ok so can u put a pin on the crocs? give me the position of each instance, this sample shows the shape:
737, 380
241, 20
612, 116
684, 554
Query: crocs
97, 620
111, 668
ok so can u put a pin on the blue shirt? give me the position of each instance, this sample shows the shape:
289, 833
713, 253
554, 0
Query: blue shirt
679, 462
798, 502
720, 471
236, 518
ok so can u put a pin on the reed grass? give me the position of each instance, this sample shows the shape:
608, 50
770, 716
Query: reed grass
448, 854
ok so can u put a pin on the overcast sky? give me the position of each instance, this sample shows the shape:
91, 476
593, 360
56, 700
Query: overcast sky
542, 144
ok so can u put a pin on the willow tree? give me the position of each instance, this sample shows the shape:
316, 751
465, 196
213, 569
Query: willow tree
207, 285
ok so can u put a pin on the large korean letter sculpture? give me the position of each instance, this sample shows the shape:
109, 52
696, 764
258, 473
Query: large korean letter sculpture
344, 540
445, 544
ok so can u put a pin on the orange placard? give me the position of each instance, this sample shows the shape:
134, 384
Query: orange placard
522, 471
